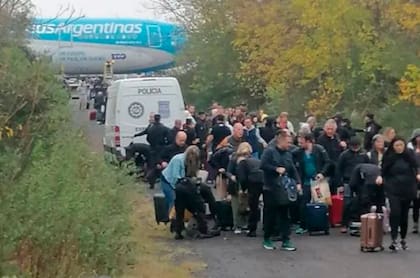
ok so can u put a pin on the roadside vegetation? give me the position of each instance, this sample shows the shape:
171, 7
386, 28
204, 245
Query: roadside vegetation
64, 212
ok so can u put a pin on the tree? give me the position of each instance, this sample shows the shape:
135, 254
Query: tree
410, 85
342, 53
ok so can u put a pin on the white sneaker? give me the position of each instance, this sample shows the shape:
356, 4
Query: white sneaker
237, 231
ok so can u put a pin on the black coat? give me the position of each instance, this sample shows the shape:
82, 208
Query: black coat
363, 183
170, 151
331, 145
220, 159
347, 162
322, 161
372, 128
399, 172
158, 136
273, 158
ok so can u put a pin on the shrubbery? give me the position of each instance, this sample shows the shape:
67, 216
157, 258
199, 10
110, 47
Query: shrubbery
63, 211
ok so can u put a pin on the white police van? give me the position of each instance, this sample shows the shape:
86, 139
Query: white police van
130, 103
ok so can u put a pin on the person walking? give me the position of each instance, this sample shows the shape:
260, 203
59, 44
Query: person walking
400, 174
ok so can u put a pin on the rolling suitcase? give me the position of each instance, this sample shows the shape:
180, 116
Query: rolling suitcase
224, 214
317, 218
161, 210
92, 115
336, 210
371, 232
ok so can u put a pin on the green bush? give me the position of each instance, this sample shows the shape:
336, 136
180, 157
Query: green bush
67, 214
64, 212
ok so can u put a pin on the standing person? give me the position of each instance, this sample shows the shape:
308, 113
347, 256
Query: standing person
316, 131
253, 137
415, 143
276, 162
251, 181
348, 160
371, 129
234, 189
219, 132
237, 136
389, 135
189, 129
174, 131
284, 123
401, 173
312, 163
376, 154
268, 132
331, 142
158, 138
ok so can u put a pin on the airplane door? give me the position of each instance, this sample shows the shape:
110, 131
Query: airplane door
65, 40
154, 35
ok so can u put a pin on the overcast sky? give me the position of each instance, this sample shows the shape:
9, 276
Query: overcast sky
99, 8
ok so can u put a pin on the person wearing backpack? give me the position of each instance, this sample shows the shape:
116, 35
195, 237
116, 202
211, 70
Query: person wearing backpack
251, 180
189, 194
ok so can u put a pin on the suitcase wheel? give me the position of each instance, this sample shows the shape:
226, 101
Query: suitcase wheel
327, 232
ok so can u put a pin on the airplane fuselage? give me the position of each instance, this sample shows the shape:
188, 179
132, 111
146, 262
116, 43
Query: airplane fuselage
83, 46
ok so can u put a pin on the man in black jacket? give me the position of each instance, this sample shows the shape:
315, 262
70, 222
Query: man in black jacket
348, 160
313, 163
275, 162
158, 138
372, 128
334, 146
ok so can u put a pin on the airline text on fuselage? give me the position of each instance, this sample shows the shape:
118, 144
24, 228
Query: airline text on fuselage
87, 29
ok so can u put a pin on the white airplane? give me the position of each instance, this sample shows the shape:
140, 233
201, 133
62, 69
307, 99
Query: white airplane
84, 45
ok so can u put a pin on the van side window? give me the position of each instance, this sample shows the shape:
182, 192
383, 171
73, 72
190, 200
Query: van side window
164, 109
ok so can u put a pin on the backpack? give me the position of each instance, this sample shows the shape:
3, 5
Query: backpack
255, 174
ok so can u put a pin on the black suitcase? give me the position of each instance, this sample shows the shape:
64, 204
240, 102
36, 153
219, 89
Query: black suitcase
161, 210
224, 214
317, 218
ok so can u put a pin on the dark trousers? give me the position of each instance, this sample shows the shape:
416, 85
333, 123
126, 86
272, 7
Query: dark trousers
152, 171
304, 199
187, 197
271, 212
416, 209
253, 202
347, 211
398, 216
208, 198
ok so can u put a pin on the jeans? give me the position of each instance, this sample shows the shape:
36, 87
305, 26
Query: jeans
272, 212
168, 191
239, 220
398, 216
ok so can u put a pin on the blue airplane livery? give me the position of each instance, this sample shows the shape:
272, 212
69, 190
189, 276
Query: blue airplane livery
82, 46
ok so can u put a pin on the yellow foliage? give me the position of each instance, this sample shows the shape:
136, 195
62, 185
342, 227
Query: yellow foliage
325, 99
409, 85
406, 15
6, 132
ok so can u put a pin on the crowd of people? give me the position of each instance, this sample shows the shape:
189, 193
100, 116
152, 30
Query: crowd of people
250, 155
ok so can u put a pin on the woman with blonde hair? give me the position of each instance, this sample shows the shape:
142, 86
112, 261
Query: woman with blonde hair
236, 194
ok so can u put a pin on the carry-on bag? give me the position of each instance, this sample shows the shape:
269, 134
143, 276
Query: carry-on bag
317, 218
